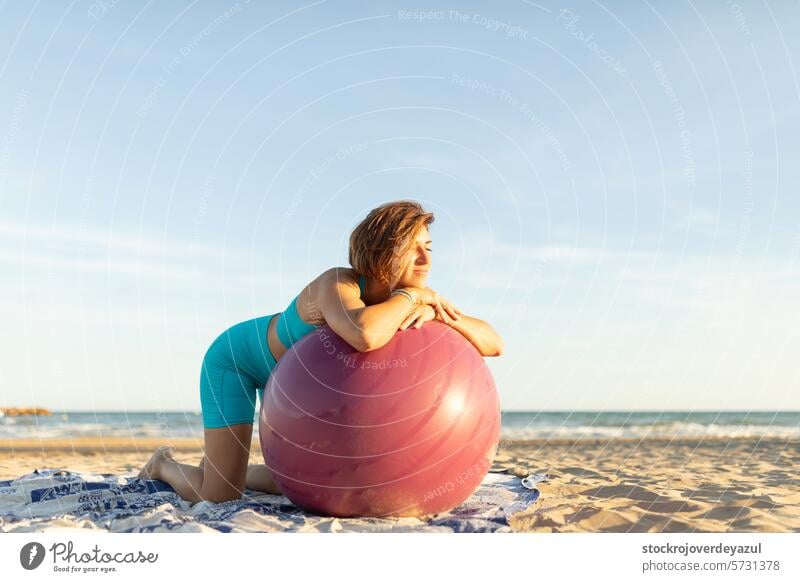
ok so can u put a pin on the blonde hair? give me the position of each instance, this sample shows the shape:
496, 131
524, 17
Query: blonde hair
384, 237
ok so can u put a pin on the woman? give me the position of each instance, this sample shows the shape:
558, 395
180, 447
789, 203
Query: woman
366, 305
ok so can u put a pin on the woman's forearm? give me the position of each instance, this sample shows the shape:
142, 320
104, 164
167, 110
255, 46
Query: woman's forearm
479, 333
379, 322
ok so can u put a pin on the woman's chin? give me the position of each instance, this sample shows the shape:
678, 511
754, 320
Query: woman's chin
414, 280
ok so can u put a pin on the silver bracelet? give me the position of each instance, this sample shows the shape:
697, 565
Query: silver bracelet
405, 294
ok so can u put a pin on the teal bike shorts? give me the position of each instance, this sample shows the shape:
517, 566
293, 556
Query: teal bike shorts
235, 369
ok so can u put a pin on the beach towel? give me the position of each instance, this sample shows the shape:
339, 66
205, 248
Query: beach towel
53, 499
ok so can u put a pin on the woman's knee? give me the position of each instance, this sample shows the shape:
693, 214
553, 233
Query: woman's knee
227, 451
218, 487
217, 496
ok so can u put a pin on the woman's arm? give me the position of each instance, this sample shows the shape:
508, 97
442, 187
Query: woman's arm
480, 334
368, 328
364, 327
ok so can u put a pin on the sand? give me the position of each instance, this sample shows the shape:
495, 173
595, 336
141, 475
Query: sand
653, 485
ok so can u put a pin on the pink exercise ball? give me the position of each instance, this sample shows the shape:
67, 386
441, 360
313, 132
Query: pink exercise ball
409, 429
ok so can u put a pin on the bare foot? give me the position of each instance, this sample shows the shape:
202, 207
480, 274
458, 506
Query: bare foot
152, 470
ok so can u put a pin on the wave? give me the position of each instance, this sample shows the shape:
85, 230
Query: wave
516, 426
676, 430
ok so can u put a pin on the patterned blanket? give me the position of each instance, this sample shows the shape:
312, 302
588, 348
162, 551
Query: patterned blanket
52, 499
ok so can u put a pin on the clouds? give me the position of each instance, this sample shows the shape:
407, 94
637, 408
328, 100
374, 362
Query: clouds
56, 234
70, 250
631, 293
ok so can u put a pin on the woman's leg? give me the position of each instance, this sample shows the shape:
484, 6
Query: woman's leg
260, 363
222, 474
258, 478
225, 467
234, 370
227, 398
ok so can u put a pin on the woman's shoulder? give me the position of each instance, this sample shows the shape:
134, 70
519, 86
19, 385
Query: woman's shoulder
340, 274
308, 300
324, 283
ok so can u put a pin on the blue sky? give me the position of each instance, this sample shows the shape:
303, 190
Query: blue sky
612, 188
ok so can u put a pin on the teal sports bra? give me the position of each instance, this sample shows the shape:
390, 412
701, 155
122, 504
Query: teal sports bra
291, 328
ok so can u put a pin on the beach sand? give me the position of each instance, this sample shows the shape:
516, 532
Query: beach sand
653, 485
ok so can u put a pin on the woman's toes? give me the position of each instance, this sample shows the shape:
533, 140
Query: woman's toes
145, 472
161, 455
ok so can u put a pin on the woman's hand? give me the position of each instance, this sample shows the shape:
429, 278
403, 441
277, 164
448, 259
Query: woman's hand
445, 310
419, 315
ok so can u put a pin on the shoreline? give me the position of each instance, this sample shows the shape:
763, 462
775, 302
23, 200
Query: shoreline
134, 444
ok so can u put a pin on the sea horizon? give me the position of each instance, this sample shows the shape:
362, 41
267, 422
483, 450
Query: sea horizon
515, 425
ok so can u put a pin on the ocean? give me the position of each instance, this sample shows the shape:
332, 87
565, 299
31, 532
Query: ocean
515, 425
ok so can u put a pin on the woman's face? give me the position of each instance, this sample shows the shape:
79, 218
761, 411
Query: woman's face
413, 268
